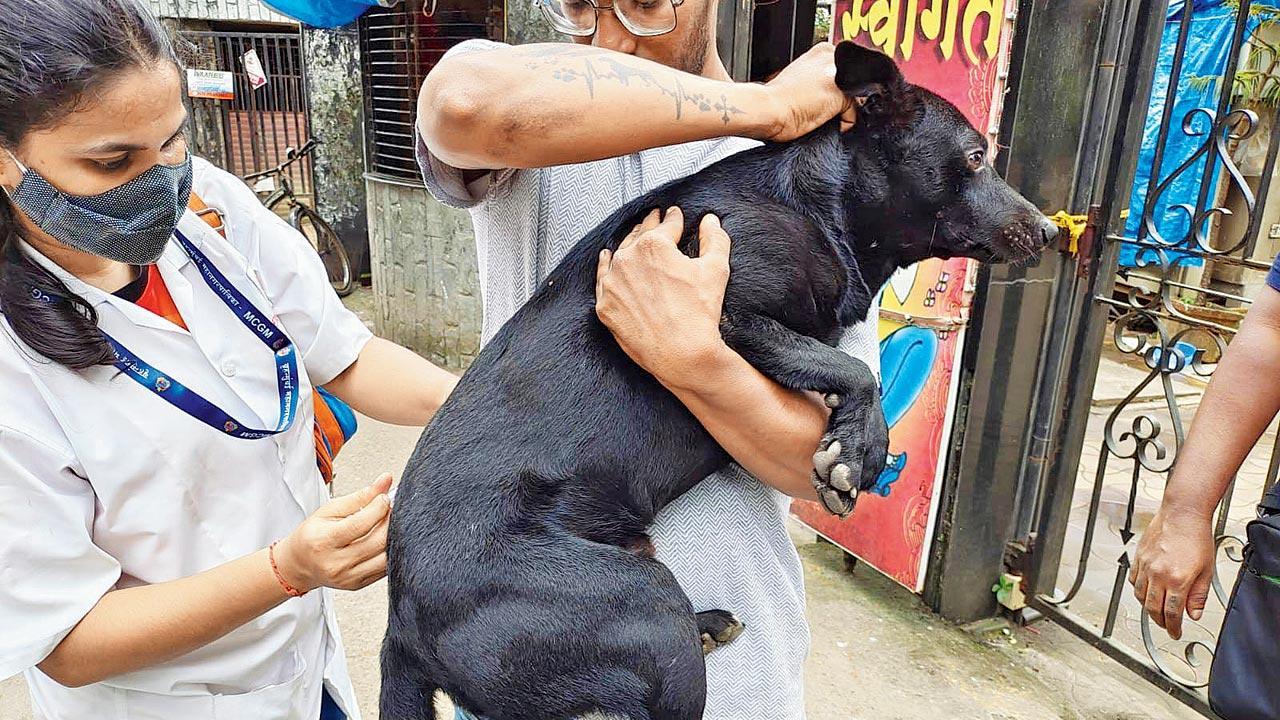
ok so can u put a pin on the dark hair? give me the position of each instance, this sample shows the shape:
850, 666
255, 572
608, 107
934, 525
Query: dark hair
51, 52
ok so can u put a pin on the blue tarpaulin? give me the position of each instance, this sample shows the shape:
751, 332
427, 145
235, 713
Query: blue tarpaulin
1205, 56
322, 13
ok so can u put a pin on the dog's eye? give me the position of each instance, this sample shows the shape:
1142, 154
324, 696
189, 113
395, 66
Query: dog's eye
977, 159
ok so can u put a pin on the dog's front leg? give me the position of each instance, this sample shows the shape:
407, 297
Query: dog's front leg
853, 450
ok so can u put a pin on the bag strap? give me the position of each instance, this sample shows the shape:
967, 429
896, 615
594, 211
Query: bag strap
1270, 504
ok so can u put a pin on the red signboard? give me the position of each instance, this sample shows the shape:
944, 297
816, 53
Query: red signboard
958, 49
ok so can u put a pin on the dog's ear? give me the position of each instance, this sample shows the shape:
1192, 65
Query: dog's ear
865, 73
873, 78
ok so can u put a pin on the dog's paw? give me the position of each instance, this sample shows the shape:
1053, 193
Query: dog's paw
852, 454
718, 628
832, 479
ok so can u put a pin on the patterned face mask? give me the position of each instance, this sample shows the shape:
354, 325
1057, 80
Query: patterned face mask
131, 223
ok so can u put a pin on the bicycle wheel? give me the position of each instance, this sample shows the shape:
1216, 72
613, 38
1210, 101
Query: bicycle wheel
327, 245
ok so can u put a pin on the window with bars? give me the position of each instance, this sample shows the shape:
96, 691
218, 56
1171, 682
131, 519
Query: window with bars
399, 46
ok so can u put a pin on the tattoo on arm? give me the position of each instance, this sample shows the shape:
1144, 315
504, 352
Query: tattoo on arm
575, 65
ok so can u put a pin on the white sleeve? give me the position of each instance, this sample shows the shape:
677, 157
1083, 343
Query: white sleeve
51, 573
447, 183
328, 335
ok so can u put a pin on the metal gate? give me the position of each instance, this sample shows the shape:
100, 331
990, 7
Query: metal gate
254, 130
1133, 344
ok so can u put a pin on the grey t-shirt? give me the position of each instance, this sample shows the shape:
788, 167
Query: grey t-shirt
726, 539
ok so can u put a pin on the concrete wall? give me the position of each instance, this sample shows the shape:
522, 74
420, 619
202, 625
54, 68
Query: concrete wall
253, 10
525, 24
334, 98
424, 274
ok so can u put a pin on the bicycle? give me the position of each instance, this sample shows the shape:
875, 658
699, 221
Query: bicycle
277, 187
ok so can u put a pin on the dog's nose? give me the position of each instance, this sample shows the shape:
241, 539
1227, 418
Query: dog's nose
1049, 231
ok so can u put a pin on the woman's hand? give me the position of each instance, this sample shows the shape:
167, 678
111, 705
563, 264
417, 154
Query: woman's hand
1174, 567
342, 545
662, 306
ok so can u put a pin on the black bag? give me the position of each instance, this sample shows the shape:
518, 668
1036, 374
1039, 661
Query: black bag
1244, 682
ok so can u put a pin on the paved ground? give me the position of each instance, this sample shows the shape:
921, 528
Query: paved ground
1119, 376
878, 653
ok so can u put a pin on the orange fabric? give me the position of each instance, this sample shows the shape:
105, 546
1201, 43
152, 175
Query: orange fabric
157, 299
328, 437
326, 432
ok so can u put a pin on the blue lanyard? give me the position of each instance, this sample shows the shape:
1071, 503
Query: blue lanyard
188, 400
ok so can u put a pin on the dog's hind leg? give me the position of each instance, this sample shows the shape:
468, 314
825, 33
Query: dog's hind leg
407, 693
856, 445
718, 628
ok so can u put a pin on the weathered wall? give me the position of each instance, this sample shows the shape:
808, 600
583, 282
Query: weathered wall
424, 274
334, 98
253, 10
525, 24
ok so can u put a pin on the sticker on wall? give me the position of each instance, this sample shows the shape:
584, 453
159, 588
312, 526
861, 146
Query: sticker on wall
253, 68
211, 84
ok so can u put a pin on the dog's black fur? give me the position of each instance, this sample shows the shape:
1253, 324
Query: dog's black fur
522, 580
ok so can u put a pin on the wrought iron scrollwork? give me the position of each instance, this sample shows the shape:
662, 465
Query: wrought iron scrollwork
1235, 126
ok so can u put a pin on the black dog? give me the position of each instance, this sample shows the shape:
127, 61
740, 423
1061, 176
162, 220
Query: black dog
522, 581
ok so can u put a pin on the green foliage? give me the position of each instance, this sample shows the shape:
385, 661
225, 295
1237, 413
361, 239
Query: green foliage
1257, 83
822, 25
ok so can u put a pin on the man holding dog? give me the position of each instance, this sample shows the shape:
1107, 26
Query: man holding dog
540, 143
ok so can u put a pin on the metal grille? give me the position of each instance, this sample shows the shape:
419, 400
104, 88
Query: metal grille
254, 130
1160, 323
398, 47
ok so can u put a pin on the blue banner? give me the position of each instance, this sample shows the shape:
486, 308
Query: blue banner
1204, 64
322, 13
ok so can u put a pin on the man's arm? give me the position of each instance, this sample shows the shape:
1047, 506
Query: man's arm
769, 430
664, 309
524, 107
1175, 558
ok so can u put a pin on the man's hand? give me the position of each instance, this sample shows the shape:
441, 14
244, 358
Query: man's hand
662, 306
805, 95
1174, 567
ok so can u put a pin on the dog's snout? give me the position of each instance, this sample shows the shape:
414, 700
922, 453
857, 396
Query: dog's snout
1049, 231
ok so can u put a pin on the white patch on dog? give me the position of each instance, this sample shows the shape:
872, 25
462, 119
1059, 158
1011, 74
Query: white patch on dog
902, 281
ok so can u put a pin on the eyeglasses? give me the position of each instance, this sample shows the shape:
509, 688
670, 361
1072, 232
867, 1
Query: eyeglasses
644, 18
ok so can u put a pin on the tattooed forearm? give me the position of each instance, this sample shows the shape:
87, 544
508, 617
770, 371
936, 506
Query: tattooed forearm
577, 65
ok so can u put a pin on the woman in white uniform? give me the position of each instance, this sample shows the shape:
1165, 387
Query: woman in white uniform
167, 543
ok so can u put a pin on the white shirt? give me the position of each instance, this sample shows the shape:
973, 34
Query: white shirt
105, 485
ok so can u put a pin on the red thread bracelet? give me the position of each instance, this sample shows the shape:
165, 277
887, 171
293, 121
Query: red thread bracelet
290, 590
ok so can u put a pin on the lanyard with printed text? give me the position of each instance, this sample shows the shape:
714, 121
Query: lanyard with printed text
188, 400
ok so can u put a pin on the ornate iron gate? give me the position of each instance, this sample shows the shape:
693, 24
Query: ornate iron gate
1147, 332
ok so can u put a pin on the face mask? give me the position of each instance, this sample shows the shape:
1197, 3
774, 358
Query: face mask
131, 223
